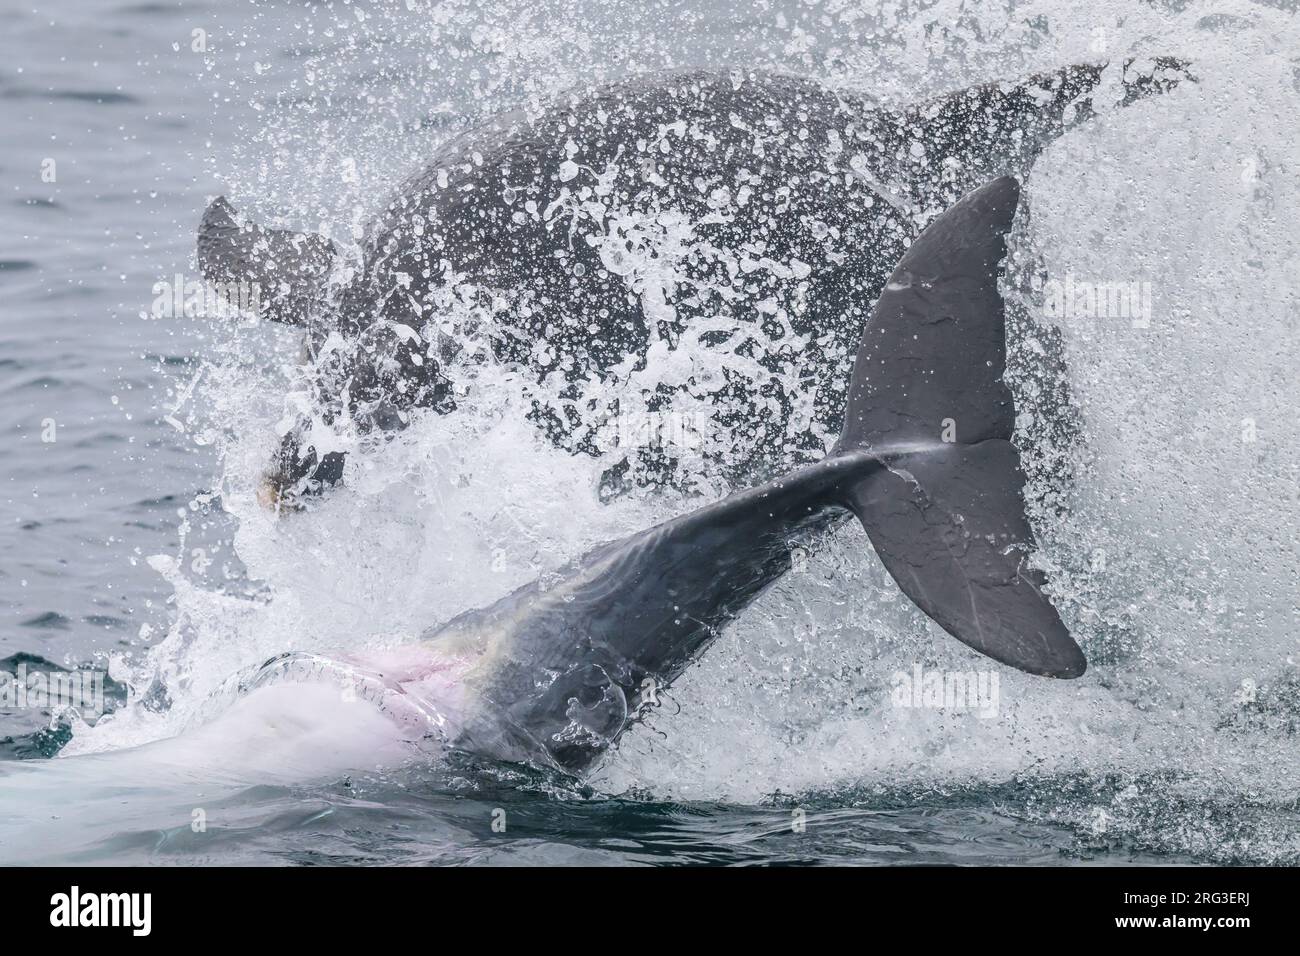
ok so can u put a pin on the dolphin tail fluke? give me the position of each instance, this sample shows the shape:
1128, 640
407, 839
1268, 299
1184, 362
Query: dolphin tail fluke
946, 514
566, 666
286, 270
950, 528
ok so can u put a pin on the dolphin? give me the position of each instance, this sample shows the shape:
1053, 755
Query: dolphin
553, 674
746, 214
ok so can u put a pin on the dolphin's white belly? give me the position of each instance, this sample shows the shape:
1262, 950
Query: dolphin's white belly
299, 719
303, 716
290, 731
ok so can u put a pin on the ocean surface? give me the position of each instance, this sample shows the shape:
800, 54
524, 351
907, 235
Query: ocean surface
131, 542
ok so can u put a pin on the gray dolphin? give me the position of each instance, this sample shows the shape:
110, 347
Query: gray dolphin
553, 675
746, 213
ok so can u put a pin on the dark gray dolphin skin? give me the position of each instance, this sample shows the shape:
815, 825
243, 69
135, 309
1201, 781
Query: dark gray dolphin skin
564, 669
772, 205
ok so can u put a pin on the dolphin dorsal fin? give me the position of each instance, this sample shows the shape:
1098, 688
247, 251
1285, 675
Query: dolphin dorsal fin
289, 269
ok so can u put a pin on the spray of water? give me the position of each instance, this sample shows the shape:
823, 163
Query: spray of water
1170, 541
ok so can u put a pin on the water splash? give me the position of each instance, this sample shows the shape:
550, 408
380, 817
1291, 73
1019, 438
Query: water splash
1172, 549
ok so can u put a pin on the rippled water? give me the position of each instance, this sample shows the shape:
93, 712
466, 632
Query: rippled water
134, 538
